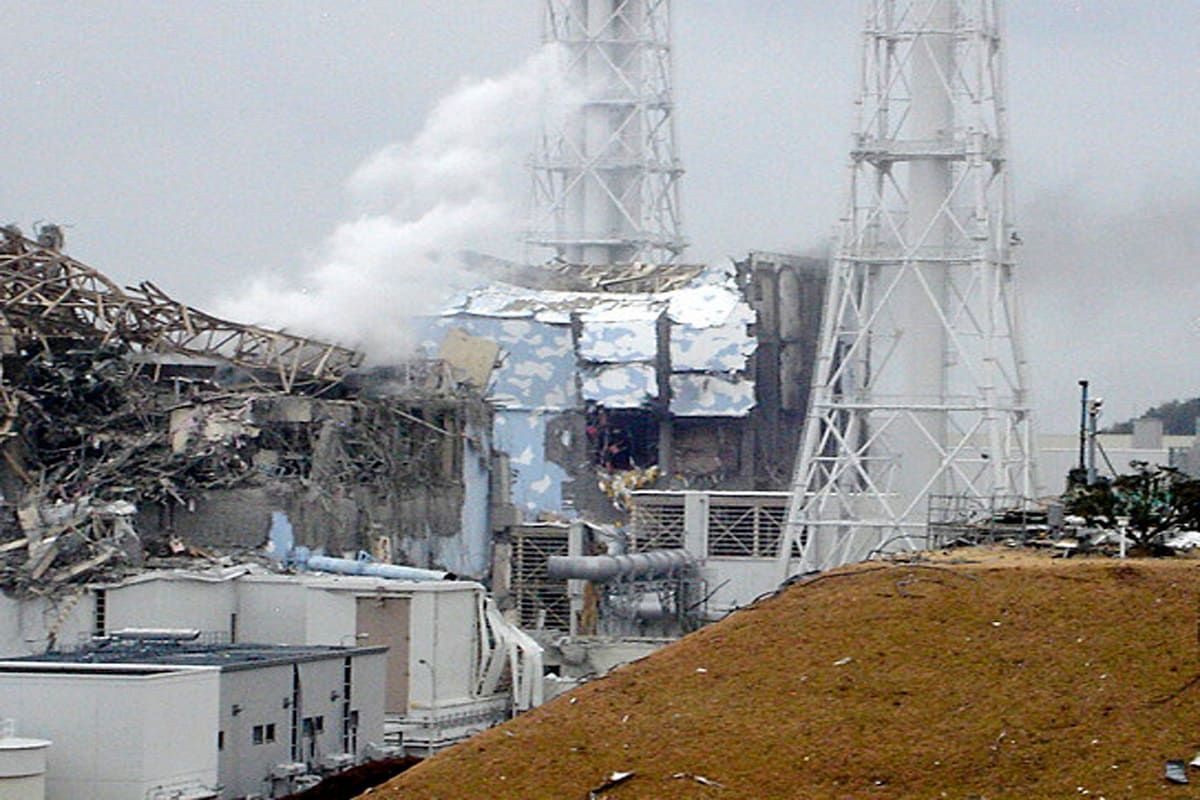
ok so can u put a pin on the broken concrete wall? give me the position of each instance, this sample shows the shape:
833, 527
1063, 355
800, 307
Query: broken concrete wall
220, 518
31, 625
473, 555
344, 474
586, 378
788, 296
532, 387
209, 466
202, 431
710, 453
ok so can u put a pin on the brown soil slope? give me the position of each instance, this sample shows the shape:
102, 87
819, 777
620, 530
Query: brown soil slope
1010, 675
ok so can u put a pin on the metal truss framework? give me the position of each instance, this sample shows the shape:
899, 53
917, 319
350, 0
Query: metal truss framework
44, 294
920, 385
606, 175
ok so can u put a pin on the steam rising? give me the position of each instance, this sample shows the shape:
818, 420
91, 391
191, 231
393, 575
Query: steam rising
423, 201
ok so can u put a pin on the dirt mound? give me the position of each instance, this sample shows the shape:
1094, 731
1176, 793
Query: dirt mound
996, 675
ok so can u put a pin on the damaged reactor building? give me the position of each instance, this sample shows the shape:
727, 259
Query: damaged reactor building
595, 454
590, 457
138, 428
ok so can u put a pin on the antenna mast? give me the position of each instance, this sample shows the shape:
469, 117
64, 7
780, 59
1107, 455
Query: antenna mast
920, 388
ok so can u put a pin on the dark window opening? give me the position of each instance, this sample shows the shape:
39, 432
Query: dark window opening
261, 734
100, 619
294, 730
622, 439
350, 734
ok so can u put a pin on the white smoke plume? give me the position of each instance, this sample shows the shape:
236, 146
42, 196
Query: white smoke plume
423, 201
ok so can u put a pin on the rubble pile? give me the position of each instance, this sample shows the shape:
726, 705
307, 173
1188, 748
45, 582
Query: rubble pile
118, 402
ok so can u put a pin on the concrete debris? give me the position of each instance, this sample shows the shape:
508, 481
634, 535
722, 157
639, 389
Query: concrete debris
1176, 772
612, 781
76, 537
698, 779
122, 412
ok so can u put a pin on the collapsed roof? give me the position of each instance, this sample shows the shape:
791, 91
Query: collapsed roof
114, 402
46, 294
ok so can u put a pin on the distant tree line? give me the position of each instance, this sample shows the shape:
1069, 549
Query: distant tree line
1178, 418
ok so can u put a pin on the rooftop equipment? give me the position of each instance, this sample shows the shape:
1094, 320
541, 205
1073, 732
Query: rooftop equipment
303, 558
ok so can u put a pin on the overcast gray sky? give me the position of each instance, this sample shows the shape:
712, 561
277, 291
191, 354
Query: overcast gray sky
197, 144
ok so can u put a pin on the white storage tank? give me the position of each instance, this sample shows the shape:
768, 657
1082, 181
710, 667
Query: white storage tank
22, 765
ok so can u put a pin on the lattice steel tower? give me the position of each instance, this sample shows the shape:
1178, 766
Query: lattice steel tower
606, 176
920, 390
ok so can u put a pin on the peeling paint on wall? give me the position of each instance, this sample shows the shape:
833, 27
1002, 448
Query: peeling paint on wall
702, 395
617, 341
620, 385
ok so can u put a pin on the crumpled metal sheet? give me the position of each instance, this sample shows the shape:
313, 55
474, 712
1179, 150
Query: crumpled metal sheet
502, 301
710, 346
620, 385
706, 305
702, 305
705, 395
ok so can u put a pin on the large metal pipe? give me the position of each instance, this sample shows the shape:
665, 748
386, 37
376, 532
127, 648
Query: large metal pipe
600, 569
303, 558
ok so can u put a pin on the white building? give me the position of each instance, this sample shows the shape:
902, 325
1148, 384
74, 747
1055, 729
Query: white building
1059, 453
125, 725
120, 731
448, 650
22, 764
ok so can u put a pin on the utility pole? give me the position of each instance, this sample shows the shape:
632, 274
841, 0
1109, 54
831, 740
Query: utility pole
920, 386
1083, 418
606, 175
1093, 412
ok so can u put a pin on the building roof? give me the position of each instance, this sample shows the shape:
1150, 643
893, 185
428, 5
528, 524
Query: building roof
254, 573
227, 657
